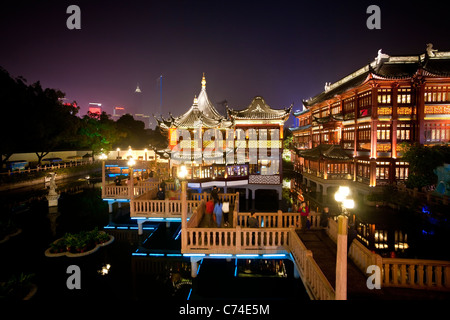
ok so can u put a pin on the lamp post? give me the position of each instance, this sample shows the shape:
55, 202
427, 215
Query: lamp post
342, 238
131, 163
103, 157
182, 174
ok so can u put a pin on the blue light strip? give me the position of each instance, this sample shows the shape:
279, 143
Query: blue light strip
247, 255
127, 227
225, 255
156, 254
198, 270
215, 255
116, 200
274, 255
189, 295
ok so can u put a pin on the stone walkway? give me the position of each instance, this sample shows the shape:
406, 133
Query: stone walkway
324, 253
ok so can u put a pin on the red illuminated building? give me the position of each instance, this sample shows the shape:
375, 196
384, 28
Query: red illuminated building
353, 130
95, 109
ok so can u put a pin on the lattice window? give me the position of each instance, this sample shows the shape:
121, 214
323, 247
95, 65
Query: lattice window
384, 96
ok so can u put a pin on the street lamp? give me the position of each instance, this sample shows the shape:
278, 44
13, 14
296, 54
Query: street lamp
345, 203
131, 163
103, 157
182, 174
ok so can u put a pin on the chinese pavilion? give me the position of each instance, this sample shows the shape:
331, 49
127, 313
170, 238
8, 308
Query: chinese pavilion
353, 129
242, 144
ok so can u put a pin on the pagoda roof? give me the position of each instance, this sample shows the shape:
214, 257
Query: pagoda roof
385, 67
202, 113
194, 118
325, 151
259, 110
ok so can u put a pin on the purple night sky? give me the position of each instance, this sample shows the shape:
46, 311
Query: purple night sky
284, 51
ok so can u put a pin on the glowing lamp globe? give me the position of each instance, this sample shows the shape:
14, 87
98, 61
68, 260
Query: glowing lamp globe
182, 173
349, 203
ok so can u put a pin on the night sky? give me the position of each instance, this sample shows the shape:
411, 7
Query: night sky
283, 51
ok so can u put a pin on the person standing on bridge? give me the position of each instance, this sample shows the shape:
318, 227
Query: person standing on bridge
304, 213
215, 193
161, 195
324, 217
209, 209
162, 185
218, 212
252, 221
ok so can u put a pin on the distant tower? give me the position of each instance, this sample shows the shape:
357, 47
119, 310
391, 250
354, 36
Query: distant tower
138, 90
138, 105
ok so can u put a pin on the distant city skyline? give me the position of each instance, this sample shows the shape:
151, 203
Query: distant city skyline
284, 51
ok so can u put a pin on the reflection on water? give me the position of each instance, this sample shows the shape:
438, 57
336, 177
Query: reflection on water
403, 232
261, 268
132, 267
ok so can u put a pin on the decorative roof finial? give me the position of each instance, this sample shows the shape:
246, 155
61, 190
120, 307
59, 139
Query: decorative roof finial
203, 81
430, 51
195, 101
381, 56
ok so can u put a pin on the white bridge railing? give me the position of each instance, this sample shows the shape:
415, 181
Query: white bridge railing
399, 272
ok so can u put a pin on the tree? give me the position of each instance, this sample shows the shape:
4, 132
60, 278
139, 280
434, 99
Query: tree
422, 162
157, 140
98, 133
33, 119
50, 122
132, 131
12, 97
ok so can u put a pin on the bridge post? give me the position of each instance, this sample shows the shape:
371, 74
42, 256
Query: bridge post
194, 266
140, 228
110, 206
238, 238
341, 259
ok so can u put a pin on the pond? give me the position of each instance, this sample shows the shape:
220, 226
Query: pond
403, 232
117, 270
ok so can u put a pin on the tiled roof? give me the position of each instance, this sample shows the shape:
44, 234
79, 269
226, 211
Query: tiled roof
387, 68
325, 151
202, 113
258, 109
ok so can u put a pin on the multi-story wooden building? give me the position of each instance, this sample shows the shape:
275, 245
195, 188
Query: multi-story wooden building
368, 114
242, 150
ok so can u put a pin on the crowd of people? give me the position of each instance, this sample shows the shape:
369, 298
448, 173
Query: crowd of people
217, 211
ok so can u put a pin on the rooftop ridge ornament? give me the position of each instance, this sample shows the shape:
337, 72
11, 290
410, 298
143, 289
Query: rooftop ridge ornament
258, 109
380, 56
203, 82
327, 86
430, 50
